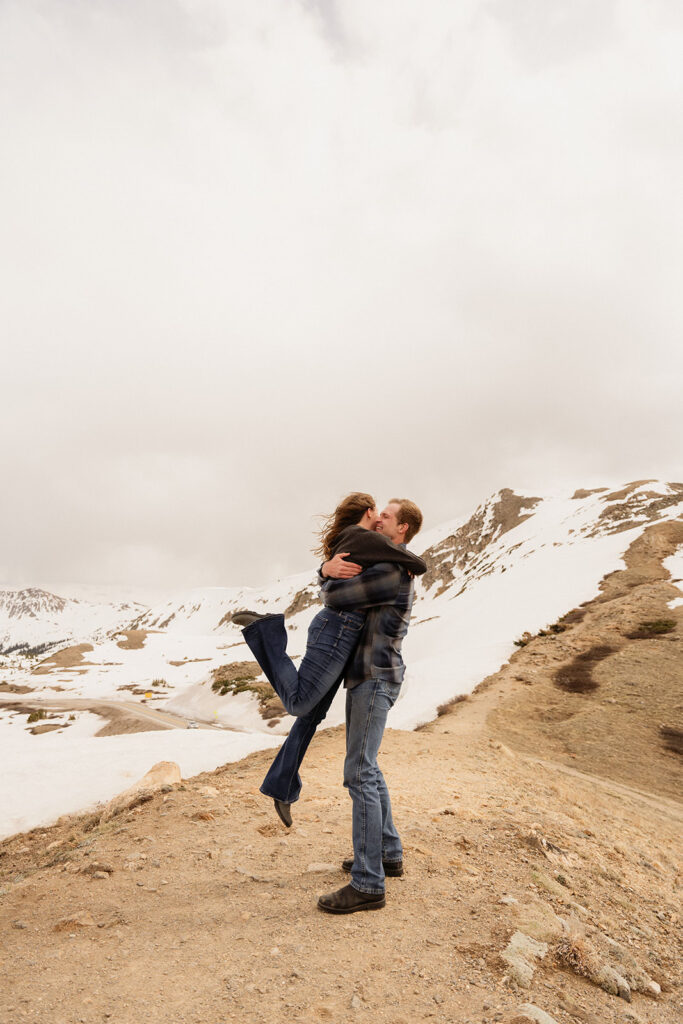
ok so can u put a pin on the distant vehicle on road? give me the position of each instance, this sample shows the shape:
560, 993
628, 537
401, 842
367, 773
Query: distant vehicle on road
192, 725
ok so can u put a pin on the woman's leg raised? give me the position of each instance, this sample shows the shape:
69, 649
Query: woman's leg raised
332, 638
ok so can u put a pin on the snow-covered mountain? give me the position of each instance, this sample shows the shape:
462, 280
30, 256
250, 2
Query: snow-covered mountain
32, 603
34, 619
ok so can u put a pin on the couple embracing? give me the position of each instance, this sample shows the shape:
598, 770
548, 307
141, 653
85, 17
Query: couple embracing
366, 582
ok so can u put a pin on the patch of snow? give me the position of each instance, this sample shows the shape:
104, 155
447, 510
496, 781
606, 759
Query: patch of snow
238, 711
655, 487
54, 774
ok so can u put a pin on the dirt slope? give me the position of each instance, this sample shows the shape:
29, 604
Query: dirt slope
198, 906
613, 730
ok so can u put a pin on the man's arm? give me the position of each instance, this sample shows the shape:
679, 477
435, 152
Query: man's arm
338, 568
377, 585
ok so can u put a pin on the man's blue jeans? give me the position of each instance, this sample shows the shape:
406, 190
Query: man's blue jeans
374, 834
332, 639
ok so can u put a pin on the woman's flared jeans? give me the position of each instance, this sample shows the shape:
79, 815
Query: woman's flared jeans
306, 693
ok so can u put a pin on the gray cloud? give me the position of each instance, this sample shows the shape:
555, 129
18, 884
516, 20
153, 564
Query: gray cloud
256, 256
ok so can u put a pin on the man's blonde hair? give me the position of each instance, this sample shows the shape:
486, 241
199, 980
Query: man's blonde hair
409, 513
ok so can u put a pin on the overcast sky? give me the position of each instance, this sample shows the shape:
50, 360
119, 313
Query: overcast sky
256, 255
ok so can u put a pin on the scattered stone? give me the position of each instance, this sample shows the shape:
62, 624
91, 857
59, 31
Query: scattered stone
576, 952
203, 816
530, 1012
544, 846
135, 862
115, 918
19, 924
507, 901
270, 830
72, 921
539, 920
356, 1002
519, 955
209, 791
255, 878
164, 773
636, 977
97, 868
53, 846
100, 874
544, 881
611, 981
574, 1010
318, 868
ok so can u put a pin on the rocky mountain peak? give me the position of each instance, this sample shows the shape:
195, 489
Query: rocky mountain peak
495, 517
30, 603
473, 550
637, 503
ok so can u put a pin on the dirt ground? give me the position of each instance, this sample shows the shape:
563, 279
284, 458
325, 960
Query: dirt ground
614, 730
68, 657
522, 809
135, 639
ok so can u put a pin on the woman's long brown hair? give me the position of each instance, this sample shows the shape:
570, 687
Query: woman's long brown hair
348, 512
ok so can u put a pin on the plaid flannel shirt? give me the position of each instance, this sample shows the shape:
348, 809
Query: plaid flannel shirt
385, 592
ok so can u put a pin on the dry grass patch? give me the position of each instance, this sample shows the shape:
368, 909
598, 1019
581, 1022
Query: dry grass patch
651, 630
449, 706
242, 677
577, 676
68, 657
672, 738
135, 639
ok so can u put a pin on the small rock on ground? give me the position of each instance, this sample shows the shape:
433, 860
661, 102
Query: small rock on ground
528, 1013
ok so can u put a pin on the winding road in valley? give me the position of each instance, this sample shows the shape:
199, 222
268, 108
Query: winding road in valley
117, 708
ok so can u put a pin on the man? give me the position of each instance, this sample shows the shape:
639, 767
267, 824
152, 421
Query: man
373, 681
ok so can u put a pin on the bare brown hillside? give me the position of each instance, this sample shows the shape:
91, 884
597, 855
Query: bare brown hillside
618, 729
542, 840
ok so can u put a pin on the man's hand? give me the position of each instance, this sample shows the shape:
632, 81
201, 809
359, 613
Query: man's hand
339, 569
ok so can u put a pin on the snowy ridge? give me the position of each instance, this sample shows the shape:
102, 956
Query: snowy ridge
32, 617
32, 602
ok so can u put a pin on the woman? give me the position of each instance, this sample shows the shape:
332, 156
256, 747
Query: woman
307, 692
